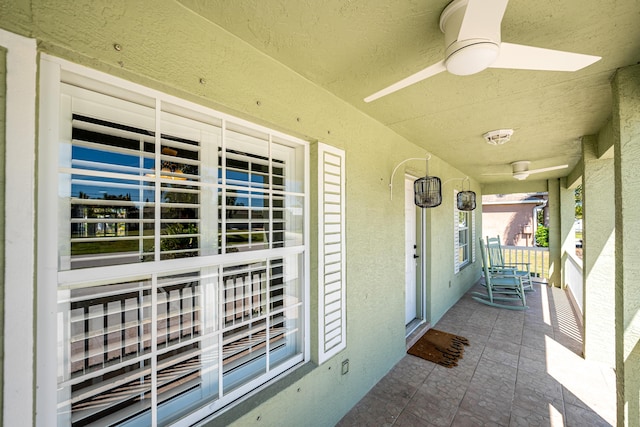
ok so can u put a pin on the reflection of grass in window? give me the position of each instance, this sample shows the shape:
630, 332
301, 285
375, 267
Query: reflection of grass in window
113, 246
239, 237
244, 237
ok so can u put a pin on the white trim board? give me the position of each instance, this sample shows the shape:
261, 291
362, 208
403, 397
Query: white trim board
19, 244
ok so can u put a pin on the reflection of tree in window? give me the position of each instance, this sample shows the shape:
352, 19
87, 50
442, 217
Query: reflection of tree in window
248, 207
180, 201
100, 150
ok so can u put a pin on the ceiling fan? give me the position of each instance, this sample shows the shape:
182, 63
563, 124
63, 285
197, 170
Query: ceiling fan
472, 43
520, 170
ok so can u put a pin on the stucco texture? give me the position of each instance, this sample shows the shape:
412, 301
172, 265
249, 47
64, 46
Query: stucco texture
166, 46
598, 254
626, 129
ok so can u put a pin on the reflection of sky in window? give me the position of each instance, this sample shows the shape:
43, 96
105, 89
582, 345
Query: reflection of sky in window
244, 198
244, 177
101, 188
107, 188
108, 158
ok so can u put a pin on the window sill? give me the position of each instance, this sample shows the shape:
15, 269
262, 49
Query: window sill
240, 407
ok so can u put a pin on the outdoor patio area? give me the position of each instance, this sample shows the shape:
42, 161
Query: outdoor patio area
523, 368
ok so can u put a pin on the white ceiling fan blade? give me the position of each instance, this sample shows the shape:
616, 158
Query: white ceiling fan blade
536, 58
496, 173
482, 20
552, 168
431, 70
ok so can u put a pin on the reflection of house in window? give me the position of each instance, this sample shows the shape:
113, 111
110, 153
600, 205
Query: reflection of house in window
110, 328
108, 227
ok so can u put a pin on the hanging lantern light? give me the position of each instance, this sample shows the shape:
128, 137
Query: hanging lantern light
427, 190
466, 199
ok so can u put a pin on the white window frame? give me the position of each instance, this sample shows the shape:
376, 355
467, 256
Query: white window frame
19, 243
51, 71
470, 234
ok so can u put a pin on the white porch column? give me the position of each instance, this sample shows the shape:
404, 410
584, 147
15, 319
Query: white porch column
555, 238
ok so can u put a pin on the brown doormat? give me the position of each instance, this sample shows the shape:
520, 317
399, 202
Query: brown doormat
439, 347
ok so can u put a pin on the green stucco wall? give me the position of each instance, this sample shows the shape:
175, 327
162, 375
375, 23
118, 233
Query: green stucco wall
165, 46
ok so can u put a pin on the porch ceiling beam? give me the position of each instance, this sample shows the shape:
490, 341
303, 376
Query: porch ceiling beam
574, 178
605, 141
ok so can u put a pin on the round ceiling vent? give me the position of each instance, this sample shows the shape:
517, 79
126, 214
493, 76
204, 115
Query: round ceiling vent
498, 137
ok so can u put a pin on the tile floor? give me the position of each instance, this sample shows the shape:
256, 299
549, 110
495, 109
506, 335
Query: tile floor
523, 368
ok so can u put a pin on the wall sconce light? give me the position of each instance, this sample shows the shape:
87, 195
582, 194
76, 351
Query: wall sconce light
466, 198
466, 201
427, 190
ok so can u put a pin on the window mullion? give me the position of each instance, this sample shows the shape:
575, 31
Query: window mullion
141, 198
154, 350
270, 192
223, 198
220, 329
157, 186
268, 317
154, 279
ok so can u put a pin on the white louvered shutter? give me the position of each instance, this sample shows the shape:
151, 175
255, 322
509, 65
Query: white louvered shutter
331, 252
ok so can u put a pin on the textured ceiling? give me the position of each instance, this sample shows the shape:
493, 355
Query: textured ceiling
356, 47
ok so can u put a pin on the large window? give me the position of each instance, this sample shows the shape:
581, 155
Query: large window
181, 255
464, 236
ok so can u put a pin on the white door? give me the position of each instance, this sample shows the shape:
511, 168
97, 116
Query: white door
410, 251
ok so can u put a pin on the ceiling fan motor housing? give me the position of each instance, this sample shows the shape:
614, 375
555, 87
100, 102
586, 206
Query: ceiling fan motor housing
520, 169
471, 55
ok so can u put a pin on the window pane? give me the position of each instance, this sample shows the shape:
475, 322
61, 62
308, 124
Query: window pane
285, 335
245, 308
188, 364
288, 161
285, 325
110, 198
103, 351
293, 221
464, 237
247, 220
180, 201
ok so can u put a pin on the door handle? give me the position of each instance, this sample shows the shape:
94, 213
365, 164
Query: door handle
416, 256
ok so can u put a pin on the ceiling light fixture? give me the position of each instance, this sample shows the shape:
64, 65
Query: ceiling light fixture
498, 137
472, 59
